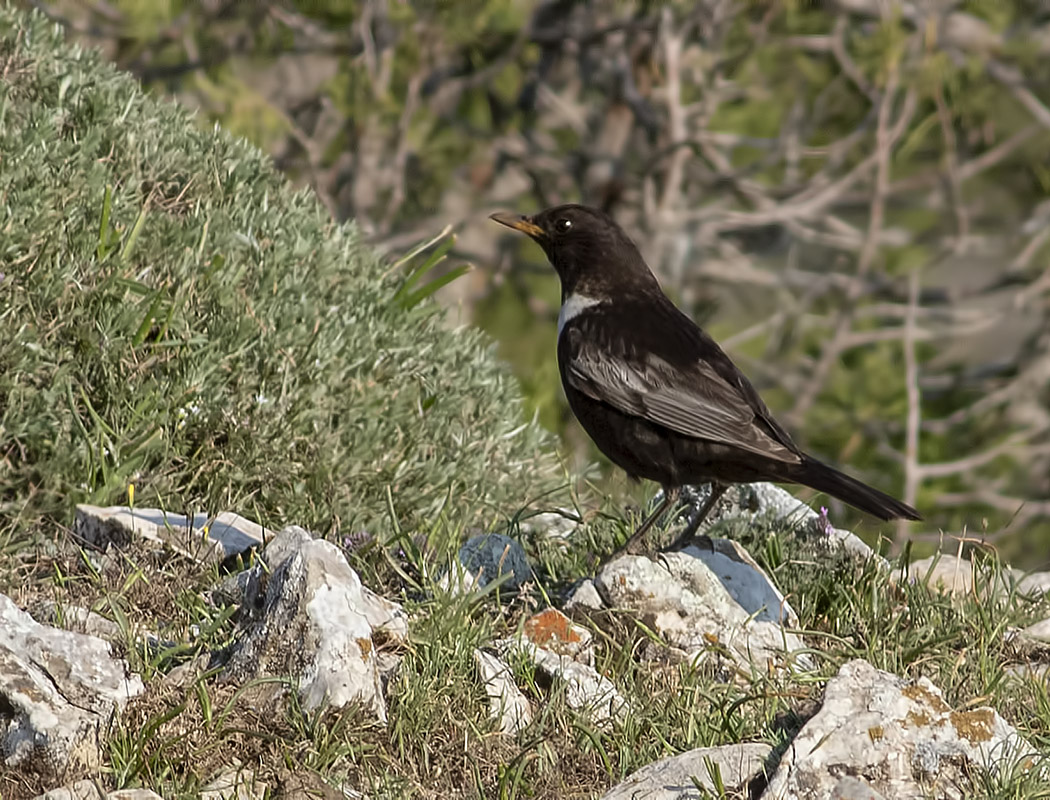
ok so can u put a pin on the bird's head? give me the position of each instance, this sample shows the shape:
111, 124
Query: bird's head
586, 247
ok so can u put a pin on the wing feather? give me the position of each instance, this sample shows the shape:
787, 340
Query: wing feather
693, 401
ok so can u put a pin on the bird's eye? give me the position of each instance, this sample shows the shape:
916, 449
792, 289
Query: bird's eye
563, 225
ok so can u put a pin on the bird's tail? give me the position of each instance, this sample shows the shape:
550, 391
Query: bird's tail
827, 479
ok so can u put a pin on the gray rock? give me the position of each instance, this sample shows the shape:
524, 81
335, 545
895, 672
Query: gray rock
493, 555
676, 778
87, 790
1038, 631
58, 690
1034, 584
707, 602
896, 737
506, 702
236, 782
204, 538
310, 617
77, 619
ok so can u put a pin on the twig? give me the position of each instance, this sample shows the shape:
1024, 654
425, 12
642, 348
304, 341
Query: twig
883, 150
912, 476
944, 116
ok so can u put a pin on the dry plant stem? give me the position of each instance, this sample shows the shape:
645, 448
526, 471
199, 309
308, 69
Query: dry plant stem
951, 160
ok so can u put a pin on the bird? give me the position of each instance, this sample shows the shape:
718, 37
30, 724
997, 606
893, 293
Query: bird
653, 390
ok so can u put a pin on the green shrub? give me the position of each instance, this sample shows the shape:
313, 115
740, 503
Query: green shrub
174, 315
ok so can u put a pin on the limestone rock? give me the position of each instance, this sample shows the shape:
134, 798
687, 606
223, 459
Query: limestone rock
750, 500
895, 738
506, 702
208, 539
307, 615
585, 595
234, 783
562, 650
58, 691
75, 618
676, 778
703, 600
552, 630
1035, 584
87, 790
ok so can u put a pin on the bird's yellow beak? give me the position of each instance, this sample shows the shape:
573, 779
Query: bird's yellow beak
519, 223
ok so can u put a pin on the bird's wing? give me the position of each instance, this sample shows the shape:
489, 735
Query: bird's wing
695, 401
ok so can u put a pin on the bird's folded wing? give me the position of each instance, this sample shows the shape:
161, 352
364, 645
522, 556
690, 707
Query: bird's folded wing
695, 402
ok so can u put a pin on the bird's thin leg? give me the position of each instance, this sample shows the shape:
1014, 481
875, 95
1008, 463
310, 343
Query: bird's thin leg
717, 490
670, 496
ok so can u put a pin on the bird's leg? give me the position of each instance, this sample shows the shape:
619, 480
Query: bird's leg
717, 490
670, 496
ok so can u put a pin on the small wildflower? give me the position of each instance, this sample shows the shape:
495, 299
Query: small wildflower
356, 540
131, 495
823, 523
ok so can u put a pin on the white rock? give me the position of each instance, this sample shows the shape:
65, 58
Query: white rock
563, 650
81, 790
697, 598
311, 618
958, 576
945, 572
228, 534
234, 783
1038, 631
75, 618
506, 702
552, 630
897, 735
561, 524
676, 778
1035, 584
458, 580
58, 690
585, 595
87, 790
586, 690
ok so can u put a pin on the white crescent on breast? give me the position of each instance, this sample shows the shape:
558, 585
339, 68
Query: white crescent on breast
574, 305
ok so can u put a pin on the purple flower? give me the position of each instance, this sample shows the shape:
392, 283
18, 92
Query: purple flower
356, 540
823, 523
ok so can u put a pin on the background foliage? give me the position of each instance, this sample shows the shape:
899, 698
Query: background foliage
851, 195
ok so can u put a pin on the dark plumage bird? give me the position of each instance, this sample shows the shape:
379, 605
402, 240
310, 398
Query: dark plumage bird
656, 394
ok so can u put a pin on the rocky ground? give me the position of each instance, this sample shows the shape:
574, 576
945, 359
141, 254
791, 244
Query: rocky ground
91, 696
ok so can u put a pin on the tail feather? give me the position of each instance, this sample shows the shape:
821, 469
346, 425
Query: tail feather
849, 490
